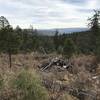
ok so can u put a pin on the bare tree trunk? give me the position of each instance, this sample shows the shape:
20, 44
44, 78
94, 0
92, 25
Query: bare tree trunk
10, 59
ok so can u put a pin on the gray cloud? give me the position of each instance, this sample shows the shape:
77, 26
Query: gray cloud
48, 13
76, 1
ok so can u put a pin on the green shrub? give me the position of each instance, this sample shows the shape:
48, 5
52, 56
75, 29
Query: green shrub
29, 87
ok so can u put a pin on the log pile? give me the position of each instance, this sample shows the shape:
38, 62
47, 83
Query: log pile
58, 62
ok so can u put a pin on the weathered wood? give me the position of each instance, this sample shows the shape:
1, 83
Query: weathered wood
47, 66
54, 86
56, 62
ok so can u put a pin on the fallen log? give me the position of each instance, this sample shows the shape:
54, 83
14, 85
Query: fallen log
46, 67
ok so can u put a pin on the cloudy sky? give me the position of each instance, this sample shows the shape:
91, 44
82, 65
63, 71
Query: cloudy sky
48, 13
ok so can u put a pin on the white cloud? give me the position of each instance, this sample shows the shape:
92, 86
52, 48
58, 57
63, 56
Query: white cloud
47, 13
93, 4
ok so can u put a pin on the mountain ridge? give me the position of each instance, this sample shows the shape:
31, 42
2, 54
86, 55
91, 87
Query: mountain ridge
60, 30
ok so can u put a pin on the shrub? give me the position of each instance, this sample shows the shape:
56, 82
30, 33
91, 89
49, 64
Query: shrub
29, 86
23, 85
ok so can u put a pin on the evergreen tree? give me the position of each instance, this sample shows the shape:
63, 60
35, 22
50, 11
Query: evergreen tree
95, 32
69, 48
56, 40
3, 22
19, 33
9, 42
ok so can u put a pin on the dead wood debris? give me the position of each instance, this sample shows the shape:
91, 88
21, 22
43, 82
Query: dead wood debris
54, 87
58, 62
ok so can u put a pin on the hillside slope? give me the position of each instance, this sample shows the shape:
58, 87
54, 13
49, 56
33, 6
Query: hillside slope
80, 80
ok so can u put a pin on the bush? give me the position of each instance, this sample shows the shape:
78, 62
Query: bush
29, 86
24, 85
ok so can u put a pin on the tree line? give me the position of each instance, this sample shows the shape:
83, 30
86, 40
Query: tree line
19, 40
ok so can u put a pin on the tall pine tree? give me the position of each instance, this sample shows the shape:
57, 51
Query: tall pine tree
9, 41
95, 32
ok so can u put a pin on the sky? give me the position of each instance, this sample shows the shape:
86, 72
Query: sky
47, 14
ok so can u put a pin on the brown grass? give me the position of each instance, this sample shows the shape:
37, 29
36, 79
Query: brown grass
80, 76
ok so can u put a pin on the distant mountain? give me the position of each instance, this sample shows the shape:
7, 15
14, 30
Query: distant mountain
51, 32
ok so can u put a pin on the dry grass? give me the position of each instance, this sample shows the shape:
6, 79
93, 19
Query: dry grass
81, 76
